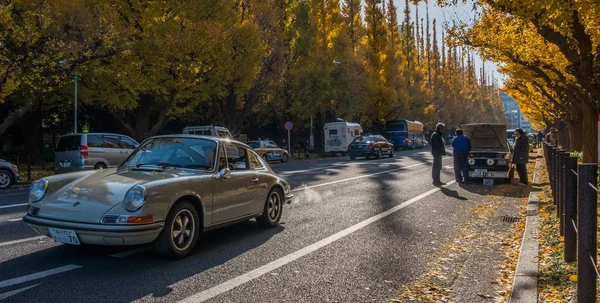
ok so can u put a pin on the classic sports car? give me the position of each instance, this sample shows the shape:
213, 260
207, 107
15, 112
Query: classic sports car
490, 151
269, 151
168, 191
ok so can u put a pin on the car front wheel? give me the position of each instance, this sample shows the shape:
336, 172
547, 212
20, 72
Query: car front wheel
284, 158
6, 179
272, 211
180, 234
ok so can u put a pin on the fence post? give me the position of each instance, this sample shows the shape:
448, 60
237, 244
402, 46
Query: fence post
551, 172
558, 170
586, 233
561, 189
570, 209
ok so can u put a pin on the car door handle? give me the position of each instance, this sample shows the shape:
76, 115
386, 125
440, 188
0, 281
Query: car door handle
254, 180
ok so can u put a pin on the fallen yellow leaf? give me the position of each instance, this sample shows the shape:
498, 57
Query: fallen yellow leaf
573, 278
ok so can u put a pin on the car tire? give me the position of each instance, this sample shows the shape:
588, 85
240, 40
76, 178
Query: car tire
284, 158
378, 154
273, 209
391, 153
6, 179
100, 166
352, 157
177, 246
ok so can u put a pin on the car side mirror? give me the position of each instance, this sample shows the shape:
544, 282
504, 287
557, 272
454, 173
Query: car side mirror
224, 174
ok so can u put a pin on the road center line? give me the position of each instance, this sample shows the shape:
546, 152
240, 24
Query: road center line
251, 275
13, 205
357, 177
38, 275
16, 291
14, 220
23, 240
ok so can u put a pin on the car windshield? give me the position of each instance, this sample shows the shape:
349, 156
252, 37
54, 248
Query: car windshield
196, 153
363, 139
254, 145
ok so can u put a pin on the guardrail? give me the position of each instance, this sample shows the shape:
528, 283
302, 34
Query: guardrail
575, 195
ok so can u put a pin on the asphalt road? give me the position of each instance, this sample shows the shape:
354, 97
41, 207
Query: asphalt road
355, 232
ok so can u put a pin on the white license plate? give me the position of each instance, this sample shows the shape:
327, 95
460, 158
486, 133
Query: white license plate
480, 172
64, 236
66, 164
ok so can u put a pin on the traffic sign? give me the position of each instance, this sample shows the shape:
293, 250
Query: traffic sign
288, 125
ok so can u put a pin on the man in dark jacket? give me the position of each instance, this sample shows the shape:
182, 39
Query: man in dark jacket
461, 146
521, 155
438, 150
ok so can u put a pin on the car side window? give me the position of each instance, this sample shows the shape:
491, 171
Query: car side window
273, 144
236, 157
127, 143
111, 142
253, 160
94, 141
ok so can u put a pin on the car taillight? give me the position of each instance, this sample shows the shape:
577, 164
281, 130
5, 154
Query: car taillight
371, 145
83, 151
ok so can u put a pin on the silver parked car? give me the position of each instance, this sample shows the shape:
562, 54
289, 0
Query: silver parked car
9, 174
79, 152
170, 190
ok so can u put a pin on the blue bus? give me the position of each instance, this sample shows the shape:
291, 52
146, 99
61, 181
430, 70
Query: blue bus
405, 134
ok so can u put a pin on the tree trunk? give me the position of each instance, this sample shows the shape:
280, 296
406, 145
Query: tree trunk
589, 134
575, 136
15, 115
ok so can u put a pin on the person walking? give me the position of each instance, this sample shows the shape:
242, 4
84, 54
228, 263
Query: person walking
540, 139
550, 136
521, 155
461, 146
438, 150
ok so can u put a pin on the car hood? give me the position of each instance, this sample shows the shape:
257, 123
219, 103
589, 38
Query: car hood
87, 196
487, 137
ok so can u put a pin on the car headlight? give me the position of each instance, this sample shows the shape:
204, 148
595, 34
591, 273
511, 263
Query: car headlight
38, 190
287, 188
135, 198
471, 161
490, 162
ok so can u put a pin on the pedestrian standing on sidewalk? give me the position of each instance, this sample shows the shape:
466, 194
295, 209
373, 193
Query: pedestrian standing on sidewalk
551, 137
461, 146
540, 139
438, 150
521, 155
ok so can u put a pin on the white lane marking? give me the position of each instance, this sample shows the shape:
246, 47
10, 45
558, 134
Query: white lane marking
251, 275
14, 220
39, 275
130, 252
23, 240
13, 205
357, 177
16, 291
449, 166
305, 170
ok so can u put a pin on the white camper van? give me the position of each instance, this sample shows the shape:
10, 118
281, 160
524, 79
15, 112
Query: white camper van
338, 135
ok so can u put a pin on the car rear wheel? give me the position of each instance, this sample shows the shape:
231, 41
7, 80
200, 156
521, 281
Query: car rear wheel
180, 234
6, 179
100, 166
273, 210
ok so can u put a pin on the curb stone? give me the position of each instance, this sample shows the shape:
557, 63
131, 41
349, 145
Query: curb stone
525, 283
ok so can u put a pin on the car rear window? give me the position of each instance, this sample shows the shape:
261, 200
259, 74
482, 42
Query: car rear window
68, 143
363, 139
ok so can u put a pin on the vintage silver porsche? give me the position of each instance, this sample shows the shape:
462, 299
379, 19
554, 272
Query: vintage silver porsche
167, 192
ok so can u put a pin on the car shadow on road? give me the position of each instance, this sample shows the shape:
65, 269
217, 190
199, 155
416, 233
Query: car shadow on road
452, 194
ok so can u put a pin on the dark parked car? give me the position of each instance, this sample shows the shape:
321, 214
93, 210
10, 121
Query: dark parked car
370, 146
490, 151
9, 174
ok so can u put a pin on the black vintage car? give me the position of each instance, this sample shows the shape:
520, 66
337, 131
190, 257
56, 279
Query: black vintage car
370, 146
490, 152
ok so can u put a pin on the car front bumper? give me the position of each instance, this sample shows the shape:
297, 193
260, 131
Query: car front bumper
288, 198
99, 234
493, 174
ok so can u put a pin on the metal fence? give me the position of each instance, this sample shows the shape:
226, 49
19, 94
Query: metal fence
575, 195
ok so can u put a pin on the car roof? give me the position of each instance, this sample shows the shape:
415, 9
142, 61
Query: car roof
219, 140
101, 134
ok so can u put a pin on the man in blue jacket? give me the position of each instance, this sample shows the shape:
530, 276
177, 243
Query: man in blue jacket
461, 146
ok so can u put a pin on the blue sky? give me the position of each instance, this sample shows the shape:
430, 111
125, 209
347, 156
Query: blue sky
463, 12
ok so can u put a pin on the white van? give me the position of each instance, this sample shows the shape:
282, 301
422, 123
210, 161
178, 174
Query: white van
338, 135
208, 130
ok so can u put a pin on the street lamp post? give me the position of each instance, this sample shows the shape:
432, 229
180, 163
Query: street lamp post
75, 78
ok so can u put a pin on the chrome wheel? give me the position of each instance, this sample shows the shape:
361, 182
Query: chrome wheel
183, 229
5, 179
274, 206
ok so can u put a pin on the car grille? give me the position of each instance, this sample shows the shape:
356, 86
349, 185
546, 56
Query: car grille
34, 211
110, 219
